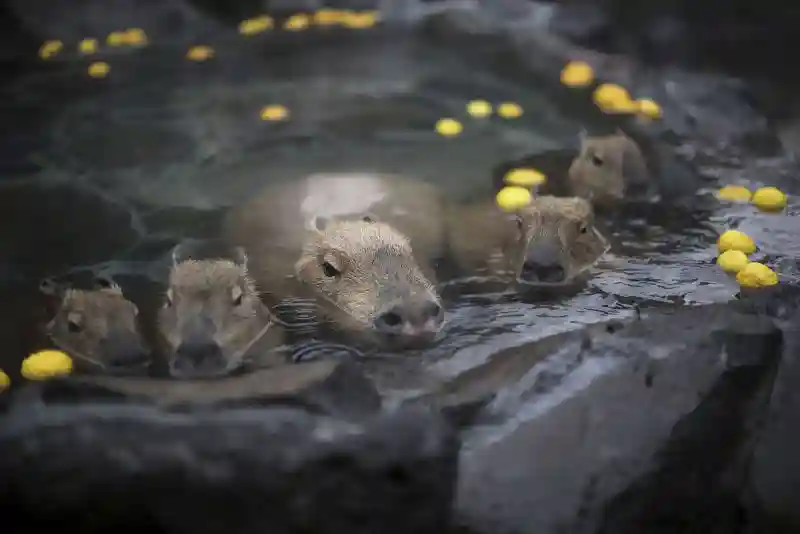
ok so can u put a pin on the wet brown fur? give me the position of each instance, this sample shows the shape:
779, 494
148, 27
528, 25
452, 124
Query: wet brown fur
606, 167
363, 225
221, 291
85, 320
367, 255
486, 241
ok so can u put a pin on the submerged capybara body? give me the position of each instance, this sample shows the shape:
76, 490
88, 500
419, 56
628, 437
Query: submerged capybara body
97, 327
212, 318
550, 242
607, 168
357, 244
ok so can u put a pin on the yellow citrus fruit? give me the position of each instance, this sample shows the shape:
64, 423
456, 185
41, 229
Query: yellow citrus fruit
360, 21
448, 127
734, 193
649, 108
512, 198
297, 22
577, 74
200, 53
99, 69
756, 275
613, 98
87, 46
50, 48
5, 381
134, 37
509, 110
732, 261
256, 25
274, 112
116, 39
479, 108
329, 17
46, 364
769, 199
736, 240
524, 177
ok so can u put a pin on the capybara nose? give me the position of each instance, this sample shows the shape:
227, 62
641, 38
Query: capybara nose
195, 359
551, 273
414, 318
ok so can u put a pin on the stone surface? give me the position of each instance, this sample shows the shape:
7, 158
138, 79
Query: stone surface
464, 395
774, 473
111, 468
658, 412
728, 34
336, 388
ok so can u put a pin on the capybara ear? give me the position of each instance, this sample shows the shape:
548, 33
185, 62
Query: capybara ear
320, 223
103, 281
50, 287
240, 257
107, 284
178, 254
583, 136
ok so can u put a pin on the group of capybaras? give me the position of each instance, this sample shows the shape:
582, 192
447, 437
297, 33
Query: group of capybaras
363, 253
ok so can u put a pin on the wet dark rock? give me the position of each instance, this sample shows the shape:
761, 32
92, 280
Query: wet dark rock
47, 227
73, 21
24, 310
776, 234
649, 410
111, 468
719, 114
701, 475
735, 35
585, 23
464, 396
336, 388
775, 466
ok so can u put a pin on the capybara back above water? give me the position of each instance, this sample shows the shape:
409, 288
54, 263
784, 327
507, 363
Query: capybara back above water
357, 244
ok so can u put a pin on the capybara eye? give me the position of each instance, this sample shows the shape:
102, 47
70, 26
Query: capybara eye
74, 326
583, 228
519, 222
329, 270
103, 282
597, 161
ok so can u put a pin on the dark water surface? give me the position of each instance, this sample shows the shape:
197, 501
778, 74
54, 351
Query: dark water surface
108, 174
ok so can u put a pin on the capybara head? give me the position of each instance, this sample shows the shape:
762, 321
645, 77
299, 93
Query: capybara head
97, 327
555, 241
606, 167
211, 315
365, 277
